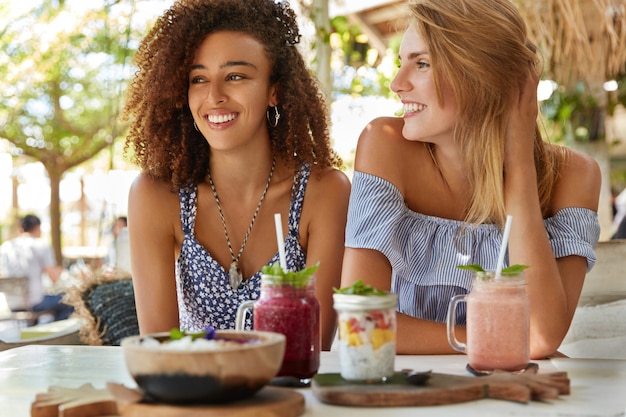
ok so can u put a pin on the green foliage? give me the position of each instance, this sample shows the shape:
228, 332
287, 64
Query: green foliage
573, 115
63, 71
357, 68
619, 96
63, 80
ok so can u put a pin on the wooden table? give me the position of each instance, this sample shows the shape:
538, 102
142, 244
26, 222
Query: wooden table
598, 387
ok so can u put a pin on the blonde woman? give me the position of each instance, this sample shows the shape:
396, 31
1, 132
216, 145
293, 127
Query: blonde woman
432, 189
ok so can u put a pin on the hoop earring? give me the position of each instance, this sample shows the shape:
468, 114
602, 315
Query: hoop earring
195, 126
276, 116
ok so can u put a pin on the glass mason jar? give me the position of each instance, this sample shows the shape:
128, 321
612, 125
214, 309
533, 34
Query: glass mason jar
295, 312
367, 336
498, 323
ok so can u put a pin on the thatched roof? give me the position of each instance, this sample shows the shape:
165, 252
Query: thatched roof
580, 39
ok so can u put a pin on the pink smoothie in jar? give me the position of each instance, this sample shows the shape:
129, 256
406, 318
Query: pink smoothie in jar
498, 323
294, 312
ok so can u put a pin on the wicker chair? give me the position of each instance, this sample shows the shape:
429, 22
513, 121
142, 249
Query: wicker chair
106, 305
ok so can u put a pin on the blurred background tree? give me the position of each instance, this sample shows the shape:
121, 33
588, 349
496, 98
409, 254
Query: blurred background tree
63, 71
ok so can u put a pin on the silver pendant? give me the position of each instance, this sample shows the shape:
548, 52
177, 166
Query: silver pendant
235, 276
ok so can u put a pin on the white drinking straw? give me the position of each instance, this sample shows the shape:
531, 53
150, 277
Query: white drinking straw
281, 241
505, 239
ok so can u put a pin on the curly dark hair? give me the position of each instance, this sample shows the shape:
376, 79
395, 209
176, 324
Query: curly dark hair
162, 135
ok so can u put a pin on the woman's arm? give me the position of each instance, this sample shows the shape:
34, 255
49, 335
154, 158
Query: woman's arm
327, 203
414, 336
151, 206
553, 285
382, 151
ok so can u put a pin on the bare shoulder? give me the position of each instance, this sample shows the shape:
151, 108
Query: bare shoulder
325, 208
380, 135
579, 182
383, 151
328, 182
381, 128
152, 201
146, 191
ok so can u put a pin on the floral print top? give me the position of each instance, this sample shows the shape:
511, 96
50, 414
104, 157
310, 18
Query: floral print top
205, 297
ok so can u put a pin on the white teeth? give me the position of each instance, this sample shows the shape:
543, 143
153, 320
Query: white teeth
222, 118
413, 107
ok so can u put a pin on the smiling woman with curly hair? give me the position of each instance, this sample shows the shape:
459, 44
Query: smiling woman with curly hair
229, 127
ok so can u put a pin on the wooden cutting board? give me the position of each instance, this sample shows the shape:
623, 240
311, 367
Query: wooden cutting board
269, 402
440, 389
86, 401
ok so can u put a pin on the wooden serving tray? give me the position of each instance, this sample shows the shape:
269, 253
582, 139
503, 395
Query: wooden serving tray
440, 389
87, 401
269, 402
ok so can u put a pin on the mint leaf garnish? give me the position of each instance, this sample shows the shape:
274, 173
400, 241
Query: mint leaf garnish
508, 271
473, 267
513, 269
359, 288
297, 279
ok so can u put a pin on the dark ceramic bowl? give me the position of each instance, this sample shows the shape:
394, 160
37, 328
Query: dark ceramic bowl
224, 374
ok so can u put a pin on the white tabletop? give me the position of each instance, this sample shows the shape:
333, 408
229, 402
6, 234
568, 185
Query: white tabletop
598, 387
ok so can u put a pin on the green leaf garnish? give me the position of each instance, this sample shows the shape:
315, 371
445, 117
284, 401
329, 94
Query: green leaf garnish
297, 279
514, 269
359, 288
208, 333
176, 334
473, 267
508, 271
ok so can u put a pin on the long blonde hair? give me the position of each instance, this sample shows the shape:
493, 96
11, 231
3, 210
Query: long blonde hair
481, 49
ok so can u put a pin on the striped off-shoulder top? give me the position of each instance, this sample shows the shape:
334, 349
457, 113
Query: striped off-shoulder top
424, 251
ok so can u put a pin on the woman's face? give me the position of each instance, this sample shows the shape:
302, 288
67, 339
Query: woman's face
425, 119
229, 89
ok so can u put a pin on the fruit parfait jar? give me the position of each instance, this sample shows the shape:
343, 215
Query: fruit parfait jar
367, 335
288, 305
498, 323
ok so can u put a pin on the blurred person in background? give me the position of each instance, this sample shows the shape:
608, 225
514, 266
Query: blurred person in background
27, 255
118, 255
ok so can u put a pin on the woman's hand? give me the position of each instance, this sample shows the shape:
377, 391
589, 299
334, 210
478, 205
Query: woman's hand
521, 128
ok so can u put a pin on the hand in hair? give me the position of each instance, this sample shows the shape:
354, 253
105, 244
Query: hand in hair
521, 130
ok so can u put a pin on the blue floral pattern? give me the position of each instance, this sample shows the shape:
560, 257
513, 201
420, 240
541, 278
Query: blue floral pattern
205, 296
